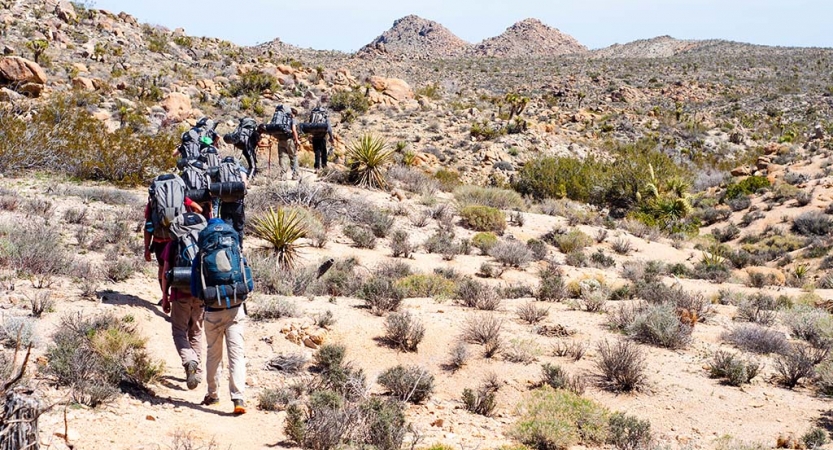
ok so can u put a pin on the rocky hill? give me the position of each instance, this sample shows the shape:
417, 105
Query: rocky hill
658, 47
415, 37
529, 38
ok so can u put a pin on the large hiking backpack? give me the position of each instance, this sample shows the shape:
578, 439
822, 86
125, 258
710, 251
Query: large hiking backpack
318, 123
225, 279
210, 156
229, 186
186, 231
166, 197
189, 148
245, 136
281, 123
197, 182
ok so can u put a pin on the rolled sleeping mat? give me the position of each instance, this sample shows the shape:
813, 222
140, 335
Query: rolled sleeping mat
315, 129
180, 277
199, 195
279, 130
229, 191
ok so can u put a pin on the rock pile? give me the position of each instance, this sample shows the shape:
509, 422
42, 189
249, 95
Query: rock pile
532, 38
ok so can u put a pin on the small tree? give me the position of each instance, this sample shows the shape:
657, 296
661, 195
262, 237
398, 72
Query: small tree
37, 47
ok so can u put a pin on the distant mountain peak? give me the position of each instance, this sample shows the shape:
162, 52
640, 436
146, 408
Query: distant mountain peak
416, 37
530, 37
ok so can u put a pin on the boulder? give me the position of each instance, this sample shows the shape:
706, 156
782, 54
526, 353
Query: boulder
83, 83
8, 95
32, 90
66, 12
14, 69
742, 171
177, 105
399, 90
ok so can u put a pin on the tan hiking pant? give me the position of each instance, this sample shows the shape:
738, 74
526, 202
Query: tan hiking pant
187, 324
227, 324
287, 147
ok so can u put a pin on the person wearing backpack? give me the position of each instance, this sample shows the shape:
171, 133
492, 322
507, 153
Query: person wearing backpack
221, 278
193, 140
186, 310
234, 182
166, 201
246, 138
319, 128
197, 186
282, 126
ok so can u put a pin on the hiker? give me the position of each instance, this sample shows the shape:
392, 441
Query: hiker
197, 185
233, 181
193, 140
282, 126
246, 137
221, 278
186, 311
166, 201
318, 126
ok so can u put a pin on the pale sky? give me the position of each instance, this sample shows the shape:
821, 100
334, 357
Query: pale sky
348, 25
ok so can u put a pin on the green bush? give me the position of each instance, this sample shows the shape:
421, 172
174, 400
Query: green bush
61, 136
571, 241
747, 186
427, 285
559, 419
409, 384
484, 131
469, 195
484, 242
448, 180
629, 433
483, 218
559, 177
353, 99
253, 83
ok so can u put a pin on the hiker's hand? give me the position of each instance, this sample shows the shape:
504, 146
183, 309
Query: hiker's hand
147, 255
166, 305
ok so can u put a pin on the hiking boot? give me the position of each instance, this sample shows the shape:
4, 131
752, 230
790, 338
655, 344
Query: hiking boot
239, 406
210, 400
192, 380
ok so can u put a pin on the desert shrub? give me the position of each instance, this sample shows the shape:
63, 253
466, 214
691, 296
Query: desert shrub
511, 253
395, 270
353, 99
366, 157
470, 195
531, 313
76, 216
95, 356
728, 233
337, 374
796, 362
484, 241
282, 229
290, 363
33, 250
275, 399
733, 368
483, 218
274, 309
385, 423
747, 186
377, 220
559, 419
758, 308
253, 82
815, 438
381, 294
522, 351
483, 329
480, 401
601, 260
414, 180
404, 331
62, 136
629, 433
813, 223
621, 365
427, 285
622, 246
571, 241
119, 268
557, 378
361, 235
660, 325
18, 332
558, 177
322, 422
739, 203
408, 383
594, 300
476, 294
400, 245
811, 324
443, 242
551, 285
757, 339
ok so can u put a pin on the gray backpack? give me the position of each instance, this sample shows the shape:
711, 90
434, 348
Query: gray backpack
195, 178
230, 171
166, 196
186, 231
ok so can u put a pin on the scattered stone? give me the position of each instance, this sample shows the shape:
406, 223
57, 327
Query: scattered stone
14, 69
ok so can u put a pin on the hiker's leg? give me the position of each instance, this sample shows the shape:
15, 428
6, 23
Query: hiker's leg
319, 154
195, 329
236, 354
283, 150
293, 155
238, 220
250, 163
214, 333
181, 330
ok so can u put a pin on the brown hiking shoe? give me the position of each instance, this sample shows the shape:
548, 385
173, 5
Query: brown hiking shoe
192, 380
210, 400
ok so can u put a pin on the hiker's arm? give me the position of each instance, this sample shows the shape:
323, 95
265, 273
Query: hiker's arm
166, 302
330, 132
295, 135
195, 207
147, 245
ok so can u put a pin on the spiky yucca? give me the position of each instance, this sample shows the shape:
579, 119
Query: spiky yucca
282, 228
366, 157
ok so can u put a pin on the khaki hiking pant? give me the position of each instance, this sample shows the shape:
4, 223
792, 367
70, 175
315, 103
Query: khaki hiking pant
187, 324
228, 325
287, 147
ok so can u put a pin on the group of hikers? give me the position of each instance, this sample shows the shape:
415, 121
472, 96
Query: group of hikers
194, 223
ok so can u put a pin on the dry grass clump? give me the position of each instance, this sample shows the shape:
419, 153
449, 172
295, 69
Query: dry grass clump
404, 331
484, 329
621, 366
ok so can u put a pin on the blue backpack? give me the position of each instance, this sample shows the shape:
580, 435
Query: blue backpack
221, 276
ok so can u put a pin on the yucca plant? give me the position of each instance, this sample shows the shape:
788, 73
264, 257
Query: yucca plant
282, 228
366, 157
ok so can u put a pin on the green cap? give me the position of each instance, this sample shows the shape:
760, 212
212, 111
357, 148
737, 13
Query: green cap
206, 140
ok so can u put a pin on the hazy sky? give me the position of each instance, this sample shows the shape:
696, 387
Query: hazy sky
348, 25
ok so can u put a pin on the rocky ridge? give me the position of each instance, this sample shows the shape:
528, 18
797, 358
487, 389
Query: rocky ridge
529, 38
415, 37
